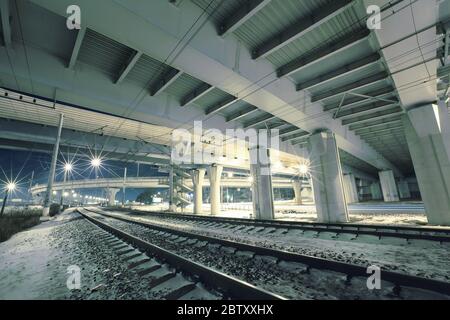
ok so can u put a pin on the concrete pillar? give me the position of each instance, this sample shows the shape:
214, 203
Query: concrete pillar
215, 176
427, 132
198, 176
297, 186
350, 189
172, 205
111, 193
388, 186
403, 189
262, 191
375, 190
327, 178
51, 175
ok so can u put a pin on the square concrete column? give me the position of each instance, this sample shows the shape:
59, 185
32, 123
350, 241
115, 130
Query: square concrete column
375, 190
215, 177
327, 178
388, 186
198, 177
403, 189
297, 186
350, 189
262, 191
427, 132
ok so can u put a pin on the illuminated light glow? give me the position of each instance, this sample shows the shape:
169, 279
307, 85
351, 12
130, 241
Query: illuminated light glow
68, 167
250, 179
11, 186
96, 162
303, 168
55, 193
66, 194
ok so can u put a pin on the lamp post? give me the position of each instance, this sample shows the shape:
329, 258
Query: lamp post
68, 167
10, 187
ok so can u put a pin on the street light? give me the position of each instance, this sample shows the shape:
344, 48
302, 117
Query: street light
96, 162
10, 187
303, 169
68, 167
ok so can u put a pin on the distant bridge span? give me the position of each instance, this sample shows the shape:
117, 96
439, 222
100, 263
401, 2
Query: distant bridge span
147, 182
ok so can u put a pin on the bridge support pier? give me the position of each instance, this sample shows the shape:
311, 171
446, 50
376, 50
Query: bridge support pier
350, 189
388, 186
375, 190
262, 191
327, 178
111, 192
215, 176
403, 189
297, 186
427, 131
198, 177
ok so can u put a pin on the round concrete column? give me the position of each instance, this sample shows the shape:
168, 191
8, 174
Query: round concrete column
112, 196
297, 186
215, 175
198, 177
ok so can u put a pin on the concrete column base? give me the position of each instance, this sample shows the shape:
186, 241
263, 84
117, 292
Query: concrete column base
215, 176
427, 133
198, 177
350, 189
388, 186
297, 186
327, 178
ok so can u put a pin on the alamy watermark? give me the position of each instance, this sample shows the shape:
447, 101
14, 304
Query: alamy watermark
214, 146
74, 279
374, 280
73, 21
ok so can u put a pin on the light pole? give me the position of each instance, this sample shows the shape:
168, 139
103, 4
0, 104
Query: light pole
10, 187
68, 167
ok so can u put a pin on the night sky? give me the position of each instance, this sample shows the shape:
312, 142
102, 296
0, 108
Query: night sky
19, 165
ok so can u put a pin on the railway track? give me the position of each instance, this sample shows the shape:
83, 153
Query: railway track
179, 277
341, 280
379, 231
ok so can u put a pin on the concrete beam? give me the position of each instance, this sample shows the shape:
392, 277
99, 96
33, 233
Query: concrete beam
365, 109
130, 65
362, 83
242, 113
356, 100
340, 72
199, 92
165, 81
317, 56
221, 106
241, 15
377, 123
77, 46
376, 115
300, 28
295, 136
258, 121
6, 25
211, 59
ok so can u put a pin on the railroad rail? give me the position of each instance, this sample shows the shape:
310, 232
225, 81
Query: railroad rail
380, 231
230, 287
351, 271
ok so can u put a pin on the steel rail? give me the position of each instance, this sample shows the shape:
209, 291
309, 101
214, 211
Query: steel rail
350, 270
432, 234
234, 288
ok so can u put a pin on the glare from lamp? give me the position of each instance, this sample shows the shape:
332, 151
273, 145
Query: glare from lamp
96, 162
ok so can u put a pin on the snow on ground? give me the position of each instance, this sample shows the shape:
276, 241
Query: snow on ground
33, 264
422, 258
401, 213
